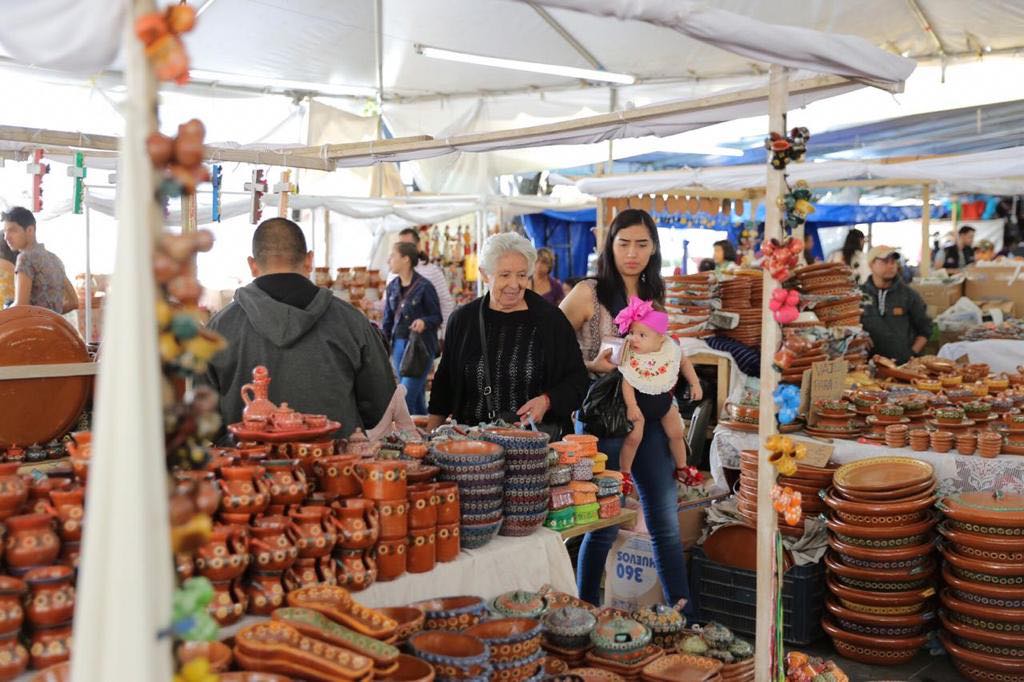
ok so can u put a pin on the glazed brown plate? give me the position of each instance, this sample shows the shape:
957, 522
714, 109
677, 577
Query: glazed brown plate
993, 568
926, 489
882, 599
883, 474
881, 532
990, 509
875, 554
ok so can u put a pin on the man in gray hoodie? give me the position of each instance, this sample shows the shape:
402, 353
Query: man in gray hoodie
324, 356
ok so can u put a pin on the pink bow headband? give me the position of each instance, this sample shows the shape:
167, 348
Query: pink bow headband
642, 312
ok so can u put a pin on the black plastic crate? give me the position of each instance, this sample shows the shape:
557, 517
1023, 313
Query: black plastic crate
728, 596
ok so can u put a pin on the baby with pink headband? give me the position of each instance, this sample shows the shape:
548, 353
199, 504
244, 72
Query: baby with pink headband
650, 371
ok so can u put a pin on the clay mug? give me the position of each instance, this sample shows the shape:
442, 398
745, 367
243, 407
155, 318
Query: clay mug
316, 531
68, 508
50, 646
12, 591
447, 502
394, 518
246, 492
303, 573
225, 555
13, 490
391, 558
264, 592
31, 541
52, 598
357, 521
422, 505
422, 548
383, 479
229, 601
356, 569
286, 482
39, 493
447, 542
272, 543
13, 656
336, 475
307, 453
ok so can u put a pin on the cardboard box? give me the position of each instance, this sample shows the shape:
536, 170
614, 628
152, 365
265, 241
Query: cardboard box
994, 282
631, 580
938, 296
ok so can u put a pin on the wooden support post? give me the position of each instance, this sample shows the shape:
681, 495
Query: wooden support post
926, 225
767, 521
284, 191
189, 214
328, 239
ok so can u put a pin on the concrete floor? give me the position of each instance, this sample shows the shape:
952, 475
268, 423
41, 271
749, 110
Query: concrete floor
924, 667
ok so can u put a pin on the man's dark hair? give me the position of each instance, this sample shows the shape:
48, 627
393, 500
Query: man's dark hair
20, 215
966, 229
278, 239
412, 232
7, 253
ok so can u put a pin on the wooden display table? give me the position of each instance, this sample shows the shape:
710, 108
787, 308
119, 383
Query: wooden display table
625, 518
722, 364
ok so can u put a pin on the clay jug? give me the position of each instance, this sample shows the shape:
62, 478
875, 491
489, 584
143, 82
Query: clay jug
246, 492
287, 482
336, 475
52, 600
316, 531
229, 601
356, 569
31, 541
12, 591
225, 555
358, 523
264, 592
272, 543
258, 407
13, 490
67, 507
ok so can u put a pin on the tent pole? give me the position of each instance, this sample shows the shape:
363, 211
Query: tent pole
767, 521
926, 228
328, 239
88, 278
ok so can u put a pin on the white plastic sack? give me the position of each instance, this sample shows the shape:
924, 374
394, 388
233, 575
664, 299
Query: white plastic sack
963, 314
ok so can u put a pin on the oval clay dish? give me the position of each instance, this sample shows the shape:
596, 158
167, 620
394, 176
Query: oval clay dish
879, 508
994, 638
883, 474
881, 532
39, 410
925, 489
990, 568
984, 661
987, 613
989, 590
869, 598
986, 508
834, 564
991, 543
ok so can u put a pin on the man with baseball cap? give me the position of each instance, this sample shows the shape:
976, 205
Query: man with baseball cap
895, 317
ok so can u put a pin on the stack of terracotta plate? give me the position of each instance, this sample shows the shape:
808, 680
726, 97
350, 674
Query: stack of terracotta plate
882, 559
807, 480
832, 290
689, 300
738, 296
983, 617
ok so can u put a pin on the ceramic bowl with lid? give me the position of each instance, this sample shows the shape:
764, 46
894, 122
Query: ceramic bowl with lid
519, 604
619, 635
569, 627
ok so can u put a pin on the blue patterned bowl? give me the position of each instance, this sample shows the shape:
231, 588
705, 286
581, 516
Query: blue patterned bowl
526, 483
452, 613
488, 517
521, 526
512, 640
466, 451
478, 507
470, 469
518, 440
481, 493
476, 536
485, 480
453, 654
527, 469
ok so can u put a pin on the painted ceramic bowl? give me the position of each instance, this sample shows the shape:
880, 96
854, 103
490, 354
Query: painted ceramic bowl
518, 441
569, 627
476, 536
410, 669
509, 639
453, 654
481, 493
451, 613
873, 649
410, 620
466, 452
518, 526
878, 624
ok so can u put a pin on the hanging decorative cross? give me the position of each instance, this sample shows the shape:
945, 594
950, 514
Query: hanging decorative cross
284, 189
78, 173
216, 175
37, 169
256, 189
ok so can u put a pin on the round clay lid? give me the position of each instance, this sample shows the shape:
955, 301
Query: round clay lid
520, 604
985, 507
878, 474
39, 410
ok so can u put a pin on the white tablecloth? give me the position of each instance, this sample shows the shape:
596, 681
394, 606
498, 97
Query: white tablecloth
1000, 355
954, 472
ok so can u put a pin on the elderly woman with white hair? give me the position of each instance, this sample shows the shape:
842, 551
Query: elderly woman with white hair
509, 355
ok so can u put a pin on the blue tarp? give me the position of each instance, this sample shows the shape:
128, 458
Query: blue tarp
832, 215
569, 234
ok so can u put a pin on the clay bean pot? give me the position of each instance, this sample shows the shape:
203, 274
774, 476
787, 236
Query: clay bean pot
394, 518
225, 555
12, 591
50, 646
68, 505
265, 592
13, 489
448, 545
448, 502
229, 601
272, 543
356, 569
13, 657
336, 475
217, 653
31, 541
52, 599
287, 482
246, 492
423, 502
316, 534
422, 550
357, 521
383, 479
392, 556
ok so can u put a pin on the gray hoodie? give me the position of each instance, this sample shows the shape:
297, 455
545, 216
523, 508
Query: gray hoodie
324, 359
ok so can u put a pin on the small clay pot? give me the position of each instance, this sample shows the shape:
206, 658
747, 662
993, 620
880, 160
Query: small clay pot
316, 533
423, 502
13, 657
303, 573
265, 592
394, 518
357, 521
12, 591
422, 550
448, 502
31, 541
13, 489
50, 646
229, 601
287, 482
271, 543
448, 544
336, 475
52, 599
391, 558
307, 453
356, 569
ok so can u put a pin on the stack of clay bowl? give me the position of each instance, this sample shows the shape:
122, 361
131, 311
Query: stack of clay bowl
808, 481
689, 300
884, 415
742, 295
990, 444
526, 478
983, 602
835, 419
478, 467
1012, 430
882, 559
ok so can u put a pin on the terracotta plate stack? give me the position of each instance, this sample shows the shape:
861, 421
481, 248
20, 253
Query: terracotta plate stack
807, 480
832, 290
689, 300
742, 295
882, 559
983, 616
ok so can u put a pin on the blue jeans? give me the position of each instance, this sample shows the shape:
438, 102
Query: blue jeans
415, 387
653, 471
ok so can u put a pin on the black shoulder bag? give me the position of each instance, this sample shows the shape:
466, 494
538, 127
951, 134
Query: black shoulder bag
553, 429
